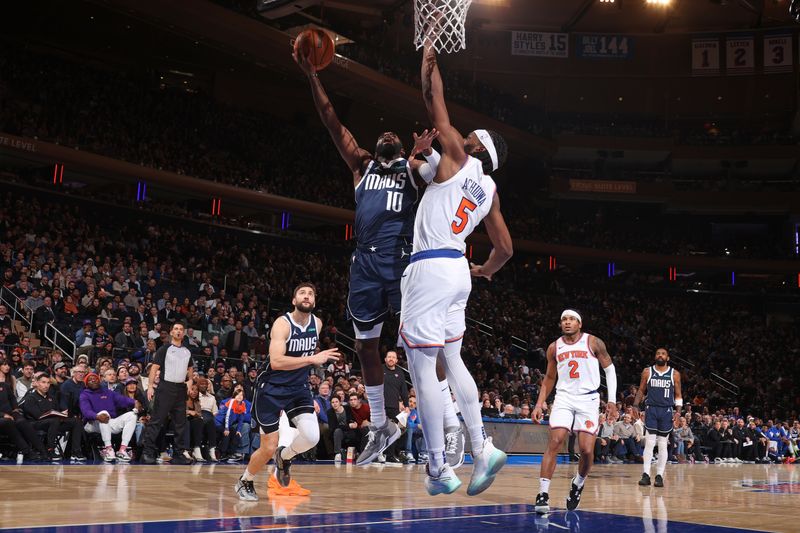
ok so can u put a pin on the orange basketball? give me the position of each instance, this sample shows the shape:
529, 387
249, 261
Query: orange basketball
317, 46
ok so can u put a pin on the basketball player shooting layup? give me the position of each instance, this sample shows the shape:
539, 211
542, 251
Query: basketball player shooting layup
574, 359
436, 284
662, 383
386, 199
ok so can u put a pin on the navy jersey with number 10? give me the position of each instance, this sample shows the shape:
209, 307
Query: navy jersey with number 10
386, 201
660, 388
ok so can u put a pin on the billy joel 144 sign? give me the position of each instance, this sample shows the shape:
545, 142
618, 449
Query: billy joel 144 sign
605, 46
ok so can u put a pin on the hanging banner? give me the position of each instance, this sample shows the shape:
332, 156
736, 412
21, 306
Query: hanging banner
594, 46
778, 53
740, 55
540, 44
705, 56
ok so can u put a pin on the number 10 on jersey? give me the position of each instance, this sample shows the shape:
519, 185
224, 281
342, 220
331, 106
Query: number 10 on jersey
394, 201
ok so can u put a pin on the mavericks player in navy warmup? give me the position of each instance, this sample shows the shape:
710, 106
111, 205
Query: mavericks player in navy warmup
283, 386
663, 386
386, 194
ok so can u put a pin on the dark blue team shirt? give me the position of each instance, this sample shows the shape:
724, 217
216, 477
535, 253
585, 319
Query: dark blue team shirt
302, 342
660, 389
386, 202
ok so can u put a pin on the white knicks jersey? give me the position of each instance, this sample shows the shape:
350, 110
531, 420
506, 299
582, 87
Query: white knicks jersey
450, 211
578, 368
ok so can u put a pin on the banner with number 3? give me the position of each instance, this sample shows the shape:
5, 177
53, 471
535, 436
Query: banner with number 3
778, 53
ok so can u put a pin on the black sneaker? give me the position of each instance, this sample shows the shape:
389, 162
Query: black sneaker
180, 459
645, 481
659, 481
282, 466
542, 504
54, 455
147, 459
574, 496
80, 459
246, 491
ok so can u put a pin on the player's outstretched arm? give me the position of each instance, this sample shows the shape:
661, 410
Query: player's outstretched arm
548, 382
353, 155
452, 142
503, 247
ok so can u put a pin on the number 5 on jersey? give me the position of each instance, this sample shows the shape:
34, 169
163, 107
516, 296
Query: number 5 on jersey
462, 214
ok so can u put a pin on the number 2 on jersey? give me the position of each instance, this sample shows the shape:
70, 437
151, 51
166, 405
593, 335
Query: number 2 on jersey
573, 370
462, 214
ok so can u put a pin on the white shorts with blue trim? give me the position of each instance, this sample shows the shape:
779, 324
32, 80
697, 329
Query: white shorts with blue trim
435, 291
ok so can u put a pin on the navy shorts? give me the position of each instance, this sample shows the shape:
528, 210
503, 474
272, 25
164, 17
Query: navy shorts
658, 420
270, 400
375, 285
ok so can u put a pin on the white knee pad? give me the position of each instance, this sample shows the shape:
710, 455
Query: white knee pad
650, 440
307, 432
663, 444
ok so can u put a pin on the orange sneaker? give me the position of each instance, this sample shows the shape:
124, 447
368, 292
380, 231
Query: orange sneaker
297, 490
275, 489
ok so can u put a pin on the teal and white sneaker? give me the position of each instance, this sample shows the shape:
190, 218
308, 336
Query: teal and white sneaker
487, 464
446, 483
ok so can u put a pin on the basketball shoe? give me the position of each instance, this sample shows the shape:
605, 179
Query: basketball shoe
454, 446
378, 440
445, 483
574, 497
486, 465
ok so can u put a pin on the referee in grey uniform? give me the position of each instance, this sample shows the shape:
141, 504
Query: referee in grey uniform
175, 362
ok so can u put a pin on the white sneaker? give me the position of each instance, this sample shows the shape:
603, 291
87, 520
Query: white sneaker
107, 454
381, 458
718, 461
454, 446
337, 458
446, 483
198, 455
487, 464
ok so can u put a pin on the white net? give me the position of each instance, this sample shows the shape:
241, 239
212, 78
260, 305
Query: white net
441, 21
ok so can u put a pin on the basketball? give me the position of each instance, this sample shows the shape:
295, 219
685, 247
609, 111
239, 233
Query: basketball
317, 46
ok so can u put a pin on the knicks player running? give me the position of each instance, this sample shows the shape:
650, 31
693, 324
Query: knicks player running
573, 365
283, 386
387, 194
436, 284
662, 383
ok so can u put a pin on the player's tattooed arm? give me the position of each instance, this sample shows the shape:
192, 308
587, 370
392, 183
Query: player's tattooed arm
637, 400
354, 156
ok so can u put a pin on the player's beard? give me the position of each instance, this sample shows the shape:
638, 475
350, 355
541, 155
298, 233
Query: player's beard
661, 362
388, 151
305, 308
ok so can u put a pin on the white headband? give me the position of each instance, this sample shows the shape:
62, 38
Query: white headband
486, 141
573, 314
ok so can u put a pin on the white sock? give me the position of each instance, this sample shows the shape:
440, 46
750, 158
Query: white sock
661, 465
544, 485
247, 476
436, 461
649, 444
377, 408
450, 416
579, 480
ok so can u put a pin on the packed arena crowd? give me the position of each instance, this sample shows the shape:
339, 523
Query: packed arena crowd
116, 296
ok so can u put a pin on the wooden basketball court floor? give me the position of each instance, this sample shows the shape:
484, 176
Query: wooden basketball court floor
121, 498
